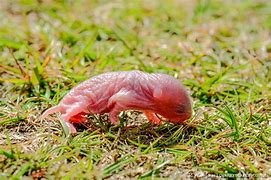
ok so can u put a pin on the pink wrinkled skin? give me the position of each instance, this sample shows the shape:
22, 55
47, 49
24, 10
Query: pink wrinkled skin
128, 90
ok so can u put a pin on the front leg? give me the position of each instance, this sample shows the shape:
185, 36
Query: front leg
151, 116
121, 101
114, 115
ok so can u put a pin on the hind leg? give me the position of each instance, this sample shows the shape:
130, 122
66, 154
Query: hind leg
71, 127
74, 120
74, 116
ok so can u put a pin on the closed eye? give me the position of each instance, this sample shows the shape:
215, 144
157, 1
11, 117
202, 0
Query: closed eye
181, 109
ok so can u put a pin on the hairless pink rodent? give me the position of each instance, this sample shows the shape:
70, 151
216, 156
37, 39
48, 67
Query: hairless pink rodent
113, 92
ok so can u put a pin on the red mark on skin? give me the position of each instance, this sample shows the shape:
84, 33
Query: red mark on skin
79, 118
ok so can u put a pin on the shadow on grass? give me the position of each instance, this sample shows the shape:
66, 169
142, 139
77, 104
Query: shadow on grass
142, 134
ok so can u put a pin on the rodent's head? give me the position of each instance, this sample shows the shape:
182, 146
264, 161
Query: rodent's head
173, 101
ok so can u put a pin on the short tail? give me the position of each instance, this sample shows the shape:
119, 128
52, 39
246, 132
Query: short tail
49, 111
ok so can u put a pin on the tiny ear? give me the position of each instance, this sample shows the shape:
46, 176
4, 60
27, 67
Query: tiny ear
157, 93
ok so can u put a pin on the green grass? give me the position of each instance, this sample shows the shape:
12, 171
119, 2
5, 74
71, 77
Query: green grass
220, 50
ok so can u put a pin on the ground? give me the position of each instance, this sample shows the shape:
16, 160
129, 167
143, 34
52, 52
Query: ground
220, 50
